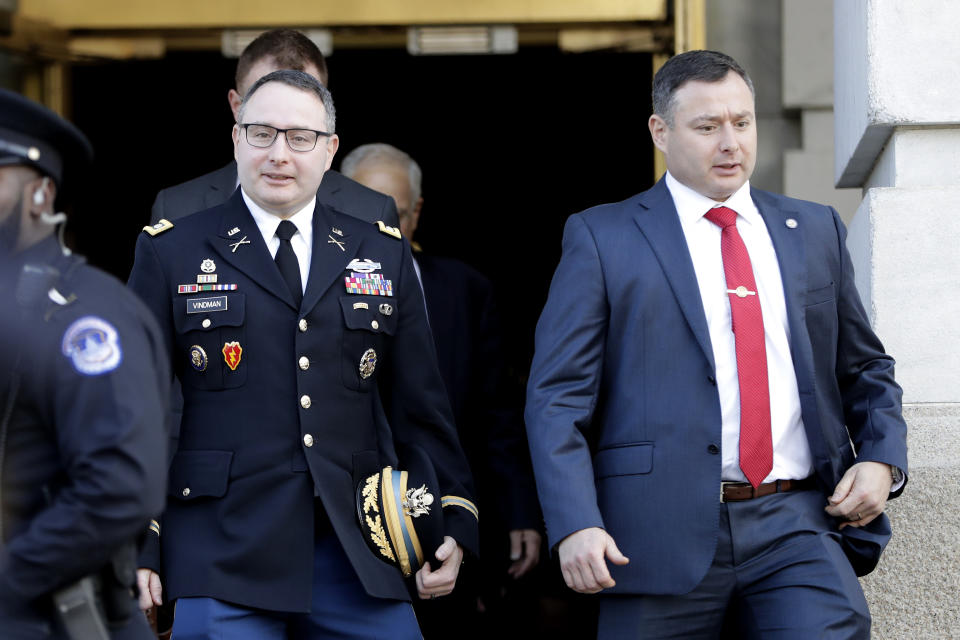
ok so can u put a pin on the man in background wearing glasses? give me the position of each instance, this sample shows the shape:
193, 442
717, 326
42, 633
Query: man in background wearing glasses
300, 340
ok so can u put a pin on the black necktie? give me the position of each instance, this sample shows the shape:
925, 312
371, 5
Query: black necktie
287, 260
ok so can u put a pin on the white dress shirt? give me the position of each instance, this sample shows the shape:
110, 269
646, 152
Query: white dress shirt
791, 450
301, 242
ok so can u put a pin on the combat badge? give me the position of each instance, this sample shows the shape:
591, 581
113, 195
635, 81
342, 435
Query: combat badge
231, 354
92, 344
363, 266
198, 358
160, 227
368, 363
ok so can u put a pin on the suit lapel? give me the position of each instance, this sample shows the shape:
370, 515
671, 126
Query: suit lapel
224, 183
240, 243
660, 224
331, 253
787, 238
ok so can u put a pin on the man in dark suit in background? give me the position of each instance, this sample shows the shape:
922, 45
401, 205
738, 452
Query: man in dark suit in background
272, 50
707, 394
305, 359
466, 332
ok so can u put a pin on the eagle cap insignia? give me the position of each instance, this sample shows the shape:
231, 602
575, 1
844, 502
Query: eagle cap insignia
417, 502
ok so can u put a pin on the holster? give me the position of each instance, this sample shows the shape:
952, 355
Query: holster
93, 605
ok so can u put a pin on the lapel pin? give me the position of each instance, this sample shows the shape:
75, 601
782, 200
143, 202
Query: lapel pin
235, 245
233, 231
208, 266
791, 223
337, 231
333, 240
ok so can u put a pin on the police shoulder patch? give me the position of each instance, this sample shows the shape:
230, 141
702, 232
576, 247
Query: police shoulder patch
390, 231
93, 346
160, 227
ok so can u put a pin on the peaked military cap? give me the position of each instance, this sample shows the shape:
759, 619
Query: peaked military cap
400, 512
34, 136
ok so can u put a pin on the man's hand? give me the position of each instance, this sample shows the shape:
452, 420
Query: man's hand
582, 563
524, 551
861, 494
150, 590
431, 584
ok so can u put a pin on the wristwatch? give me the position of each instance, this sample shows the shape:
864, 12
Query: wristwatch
896, 475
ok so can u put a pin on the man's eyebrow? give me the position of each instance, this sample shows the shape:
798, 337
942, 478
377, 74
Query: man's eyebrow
712, 117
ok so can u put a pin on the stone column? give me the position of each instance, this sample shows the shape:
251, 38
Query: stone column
897, 135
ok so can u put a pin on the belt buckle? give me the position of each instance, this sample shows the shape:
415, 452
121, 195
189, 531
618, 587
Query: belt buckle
723, 485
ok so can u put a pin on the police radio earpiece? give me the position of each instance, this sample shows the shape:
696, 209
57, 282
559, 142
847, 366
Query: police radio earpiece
39, 197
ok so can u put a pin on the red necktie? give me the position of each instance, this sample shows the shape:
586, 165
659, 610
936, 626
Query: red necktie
756, 445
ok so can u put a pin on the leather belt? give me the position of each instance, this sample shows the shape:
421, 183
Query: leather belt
740, 491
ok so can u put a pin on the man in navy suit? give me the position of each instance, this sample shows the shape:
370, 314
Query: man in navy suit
272, 50
300, 340
708, 409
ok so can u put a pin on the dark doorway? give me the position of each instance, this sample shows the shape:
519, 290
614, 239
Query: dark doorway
509, 146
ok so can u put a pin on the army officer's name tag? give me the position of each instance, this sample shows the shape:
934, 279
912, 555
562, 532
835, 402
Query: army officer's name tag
206, 305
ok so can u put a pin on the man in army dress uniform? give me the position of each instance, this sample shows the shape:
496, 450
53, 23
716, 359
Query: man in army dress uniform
299, 337
83, 382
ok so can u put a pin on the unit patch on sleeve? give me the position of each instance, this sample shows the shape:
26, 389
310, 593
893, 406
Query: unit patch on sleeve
92, 344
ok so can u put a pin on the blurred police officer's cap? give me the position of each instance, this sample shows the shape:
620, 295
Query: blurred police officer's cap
32, 135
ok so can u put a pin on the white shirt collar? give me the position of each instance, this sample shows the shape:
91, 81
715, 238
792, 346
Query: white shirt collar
268, 222
691, 206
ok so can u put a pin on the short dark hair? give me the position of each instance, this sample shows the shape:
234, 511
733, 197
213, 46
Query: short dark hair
299, 80
289, 49
700, 66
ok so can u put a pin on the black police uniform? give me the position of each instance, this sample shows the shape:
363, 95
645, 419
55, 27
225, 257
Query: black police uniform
285, 402
83, 382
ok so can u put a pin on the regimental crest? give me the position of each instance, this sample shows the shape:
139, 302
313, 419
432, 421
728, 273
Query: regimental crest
368, 363
417, 502
231, 354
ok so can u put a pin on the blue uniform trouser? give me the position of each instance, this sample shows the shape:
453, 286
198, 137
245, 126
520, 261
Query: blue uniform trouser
341, 608
779, 569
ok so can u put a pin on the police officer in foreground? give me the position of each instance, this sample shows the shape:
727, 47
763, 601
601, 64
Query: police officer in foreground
82, 391
300, 339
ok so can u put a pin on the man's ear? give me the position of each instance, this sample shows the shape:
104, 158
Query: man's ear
235, 100
333, 143
236, 139
39, 195
659, 130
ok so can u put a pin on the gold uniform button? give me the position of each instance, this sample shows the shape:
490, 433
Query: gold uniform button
206, 323
375, 324
186, 492
303, 324
304, 362
305, 402
308, 440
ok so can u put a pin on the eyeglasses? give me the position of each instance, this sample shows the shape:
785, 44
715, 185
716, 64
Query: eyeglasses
300, 140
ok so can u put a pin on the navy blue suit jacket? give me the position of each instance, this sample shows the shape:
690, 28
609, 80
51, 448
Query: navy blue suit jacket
239, 524
623, 414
